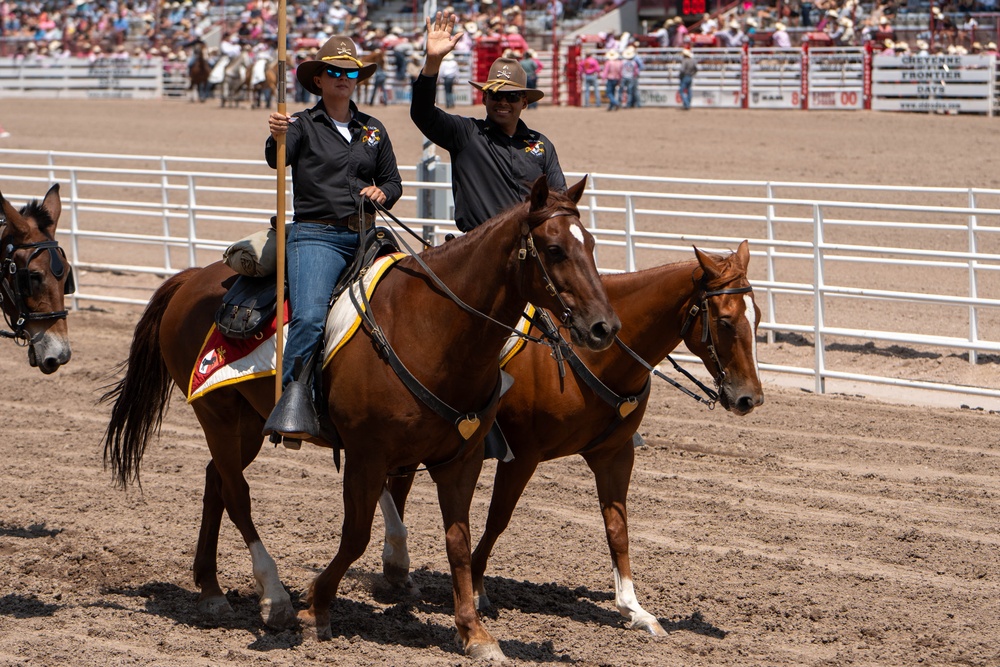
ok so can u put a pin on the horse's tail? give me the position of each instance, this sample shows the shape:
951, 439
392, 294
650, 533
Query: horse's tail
142, 396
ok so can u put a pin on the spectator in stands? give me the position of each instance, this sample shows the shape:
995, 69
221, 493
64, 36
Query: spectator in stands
681, 37
843, 35
709, 24
732, 37
496, 160
780, 38
922, 48
340, 158
688, 69
514, 40
401, 52
611, 74
631, 67
590, 70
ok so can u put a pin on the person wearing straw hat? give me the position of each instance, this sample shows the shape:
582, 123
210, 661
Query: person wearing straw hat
342, 161
494, 160
688, 69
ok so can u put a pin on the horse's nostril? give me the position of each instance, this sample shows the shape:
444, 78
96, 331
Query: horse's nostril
600, 331
745, 404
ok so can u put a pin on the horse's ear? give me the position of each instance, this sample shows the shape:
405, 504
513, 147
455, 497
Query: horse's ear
742, 255
576, 192
539, 194
52, 204
14, 218
709, 263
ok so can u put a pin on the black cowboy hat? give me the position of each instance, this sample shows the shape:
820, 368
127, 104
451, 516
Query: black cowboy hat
506, 74
339, 51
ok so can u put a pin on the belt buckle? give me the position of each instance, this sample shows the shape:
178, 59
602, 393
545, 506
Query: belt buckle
353, 223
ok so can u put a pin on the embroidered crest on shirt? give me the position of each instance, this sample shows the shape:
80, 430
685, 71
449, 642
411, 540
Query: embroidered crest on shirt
371, 136
534, 147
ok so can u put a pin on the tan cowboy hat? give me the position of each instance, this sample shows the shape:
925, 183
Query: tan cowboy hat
338, 51
611, 55
687, 53
629, 52
780, 26
506, 74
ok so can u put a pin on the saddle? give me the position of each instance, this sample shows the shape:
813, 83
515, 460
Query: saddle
251, 303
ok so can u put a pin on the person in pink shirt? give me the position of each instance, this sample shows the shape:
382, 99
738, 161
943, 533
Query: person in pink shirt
590, 70
612, 76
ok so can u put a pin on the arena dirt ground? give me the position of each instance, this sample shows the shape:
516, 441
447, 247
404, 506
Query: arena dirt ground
819, 530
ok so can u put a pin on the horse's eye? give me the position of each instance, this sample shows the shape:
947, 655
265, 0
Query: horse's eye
556, 253
726, 323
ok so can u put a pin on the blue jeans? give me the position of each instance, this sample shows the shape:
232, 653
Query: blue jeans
449, 92
631, 87
316, 255
612, 92
686, 90
590, 86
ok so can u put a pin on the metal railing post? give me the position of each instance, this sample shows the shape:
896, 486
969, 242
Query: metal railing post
192, 231
165, 198
771, 318
74, 227
973, 287
819, 322
629, 233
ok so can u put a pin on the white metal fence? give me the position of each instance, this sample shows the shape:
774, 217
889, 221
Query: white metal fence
833, 265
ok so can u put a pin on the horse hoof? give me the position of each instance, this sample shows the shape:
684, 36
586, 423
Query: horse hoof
278, 615
215, 609
400, 579
650, 625
488, 651
311, 625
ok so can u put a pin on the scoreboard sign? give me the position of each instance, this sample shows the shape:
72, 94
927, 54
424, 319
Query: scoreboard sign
956, 84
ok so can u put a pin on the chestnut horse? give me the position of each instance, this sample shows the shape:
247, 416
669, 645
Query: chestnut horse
544, 419
537, 250
35, 279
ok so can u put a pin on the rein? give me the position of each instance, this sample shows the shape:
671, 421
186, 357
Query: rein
527, 247
15, 286
625, 405
467, 423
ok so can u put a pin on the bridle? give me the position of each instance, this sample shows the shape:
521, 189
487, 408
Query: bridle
15, 286
528, 247
708, 335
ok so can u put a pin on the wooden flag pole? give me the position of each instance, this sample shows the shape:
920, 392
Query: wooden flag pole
279, 231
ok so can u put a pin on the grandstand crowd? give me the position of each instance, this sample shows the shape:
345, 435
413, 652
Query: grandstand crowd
147, 28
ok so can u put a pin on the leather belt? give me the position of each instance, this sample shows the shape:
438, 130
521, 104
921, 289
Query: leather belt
352, 221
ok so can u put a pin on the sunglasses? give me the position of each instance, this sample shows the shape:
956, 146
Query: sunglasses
336, 72
510, 96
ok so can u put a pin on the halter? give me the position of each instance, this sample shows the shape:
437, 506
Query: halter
15, 286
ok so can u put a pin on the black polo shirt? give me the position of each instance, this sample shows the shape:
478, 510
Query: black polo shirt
328, 173
489, 170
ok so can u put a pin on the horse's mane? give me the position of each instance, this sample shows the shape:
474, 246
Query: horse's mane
690, 265
555, 201
42, 219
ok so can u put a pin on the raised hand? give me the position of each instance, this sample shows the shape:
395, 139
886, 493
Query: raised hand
440, 40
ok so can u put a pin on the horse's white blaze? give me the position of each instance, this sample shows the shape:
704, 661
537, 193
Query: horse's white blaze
394, 550
266, 573
577, 231
627, 603
751, 315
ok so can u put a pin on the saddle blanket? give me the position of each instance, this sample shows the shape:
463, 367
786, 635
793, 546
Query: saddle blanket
226, 361
218, 72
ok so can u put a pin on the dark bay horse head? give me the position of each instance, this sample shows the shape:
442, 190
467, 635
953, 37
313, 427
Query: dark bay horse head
565, 279
36, 277
724, 330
